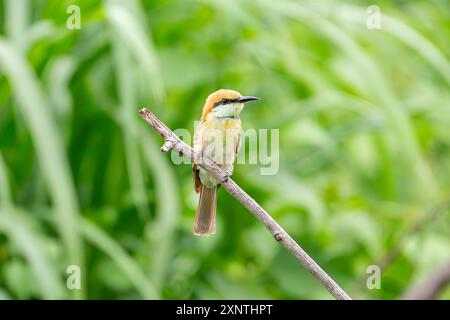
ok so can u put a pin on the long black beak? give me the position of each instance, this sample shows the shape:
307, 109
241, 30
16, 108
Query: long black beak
246, 98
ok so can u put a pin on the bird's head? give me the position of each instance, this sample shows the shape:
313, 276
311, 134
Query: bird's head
225, 103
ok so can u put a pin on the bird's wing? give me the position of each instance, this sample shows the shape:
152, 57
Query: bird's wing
197, 183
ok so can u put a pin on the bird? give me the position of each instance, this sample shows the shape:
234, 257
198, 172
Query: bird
218, 136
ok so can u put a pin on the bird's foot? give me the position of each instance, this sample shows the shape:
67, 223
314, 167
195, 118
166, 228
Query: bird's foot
228, 173
225, 178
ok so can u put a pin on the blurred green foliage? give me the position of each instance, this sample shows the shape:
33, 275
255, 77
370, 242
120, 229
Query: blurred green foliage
364, 146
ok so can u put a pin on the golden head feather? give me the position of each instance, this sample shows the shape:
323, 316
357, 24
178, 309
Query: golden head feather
216, 97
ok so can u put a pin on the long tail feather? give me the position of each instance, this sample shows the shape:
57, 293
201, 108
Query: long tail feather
205, 218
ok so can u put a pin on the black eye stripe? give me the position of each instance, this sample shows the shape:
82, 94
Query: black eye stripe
224, 101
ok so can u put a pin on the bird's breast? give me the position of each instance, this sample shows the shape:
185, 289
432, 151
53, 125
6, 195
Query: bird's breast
218, 139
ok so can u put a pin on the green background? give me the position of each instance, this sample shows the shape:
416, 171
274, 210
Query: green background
364, 126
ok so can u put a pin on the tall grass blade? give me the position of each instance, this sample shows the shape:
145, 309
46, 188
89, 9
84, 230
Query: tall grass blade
34, 109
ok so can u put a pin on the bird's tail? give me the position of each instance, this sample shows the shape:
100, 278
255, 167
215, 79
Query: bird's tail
205, 218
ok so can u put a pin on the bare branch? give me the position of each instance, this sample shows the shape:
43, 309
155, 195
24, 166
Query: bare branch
430, 287
420, 224
386, 260
234, 190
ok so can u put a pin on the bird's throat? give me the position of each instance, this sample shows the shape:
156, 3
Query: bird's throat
228, 111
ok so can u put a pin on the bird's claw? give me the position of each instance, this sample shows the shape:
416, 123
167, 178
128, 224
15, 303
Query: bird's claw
228, 173
225, 178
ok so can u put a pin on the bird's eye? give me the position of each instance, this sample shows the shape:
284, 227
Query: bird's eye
224, 100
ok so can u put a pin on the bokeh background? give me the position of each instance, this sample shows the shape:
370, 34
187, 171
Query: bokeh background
364, 124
